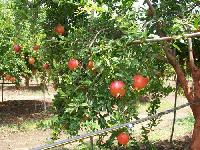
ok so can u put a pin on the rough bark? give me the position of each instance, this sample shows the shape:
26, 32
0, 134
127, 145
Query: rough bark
195, 73
195, 145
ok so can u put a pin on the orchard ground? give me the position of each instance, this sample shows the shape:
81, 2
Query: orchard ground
23, 121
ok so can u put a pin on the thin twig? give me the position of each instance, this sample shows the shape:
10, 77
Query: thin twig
95, 37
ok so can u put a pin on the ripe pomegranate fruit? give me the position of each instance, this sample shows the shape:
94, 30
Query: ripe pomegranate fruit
17, 48
72, 64
46, 66
139, 82
31, 60
8, 77
123, 138
12, 79
90, 65
117, 89
59, 29
36, 47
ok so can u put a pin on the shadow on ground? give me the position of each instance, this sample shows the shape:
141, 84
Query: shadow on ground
32, 87
17, 111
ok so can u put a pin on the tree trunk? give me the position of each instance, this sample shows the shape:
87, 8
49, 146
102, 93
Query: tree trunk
27, 81
195, 145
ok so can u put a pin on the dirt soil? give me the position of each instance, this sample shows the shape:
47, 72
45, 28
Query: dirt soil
18, 108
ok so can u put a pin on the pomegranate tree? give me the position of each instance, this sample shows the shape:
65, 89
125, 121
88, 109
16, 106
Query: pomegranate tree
99, 72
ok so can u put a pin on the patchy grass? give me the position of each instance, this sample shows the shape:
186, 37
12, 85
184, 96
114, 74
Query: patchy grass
182, 127
187, 123
166, 104
27, 125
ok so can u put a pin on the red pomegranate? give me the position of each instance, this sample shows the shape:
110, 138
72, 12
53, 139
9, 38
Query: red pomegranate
139, 81
17, 48
59, 29
90, 65
123, 138
12, 79
46, 66
72, 64
36, 47
8, 77
117, 89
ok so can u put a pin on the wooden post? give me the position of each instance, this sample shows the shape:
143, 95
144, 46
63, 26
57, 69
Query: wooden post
2, 85
44, 101
92, 143
174, 119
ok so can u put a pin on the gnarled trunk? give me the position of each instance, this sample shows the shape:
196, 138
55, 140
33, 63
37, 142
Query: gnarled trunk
195, 145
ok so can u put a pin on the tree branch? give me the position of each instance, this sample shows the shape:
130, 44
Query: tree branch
180, 74
95, 37
151, 7
167, 38
191, 57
